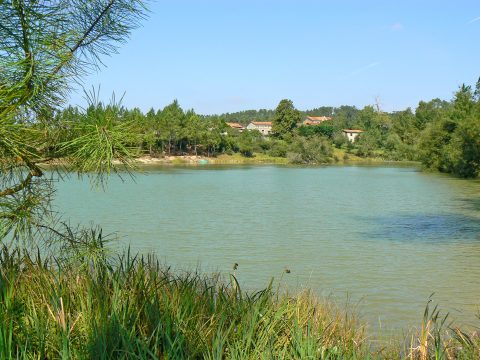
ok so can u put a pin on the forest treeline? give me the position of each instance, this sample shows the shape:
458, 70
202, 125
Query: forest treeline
442, 135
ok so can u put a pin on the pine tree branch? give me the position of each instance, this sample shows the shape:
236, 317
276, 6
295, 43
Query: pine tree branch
80, 42
19, 187
34, 171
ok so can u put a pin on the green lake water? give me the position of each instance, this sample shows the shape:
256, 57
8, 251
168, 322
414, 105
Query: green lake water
383, 237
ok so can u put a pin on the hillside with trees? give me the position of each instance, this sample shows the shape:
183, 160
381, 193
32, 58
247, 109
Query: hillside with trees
441, 135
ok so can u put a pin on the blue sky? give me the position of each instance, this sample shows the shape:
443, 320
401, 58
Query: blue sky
220, 56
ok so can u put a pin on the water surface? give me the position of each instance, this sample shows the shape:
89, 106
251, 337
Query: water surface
385, 237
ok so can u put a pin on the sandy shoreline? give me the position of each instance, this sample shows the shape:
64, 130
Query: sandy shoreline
257, 159
201, 160
236, 159
193, 159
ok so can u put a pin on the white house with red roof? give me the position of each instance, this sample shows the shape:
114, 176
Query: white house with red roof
265, 127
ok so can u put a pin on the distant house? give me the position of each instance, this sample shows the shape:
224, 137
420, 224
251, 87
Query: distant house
315, 120
265, 127
237, 126
351, 134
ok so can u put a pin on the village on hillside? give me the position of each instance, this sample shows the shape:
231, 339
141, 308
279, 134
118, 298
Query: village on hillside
265, 127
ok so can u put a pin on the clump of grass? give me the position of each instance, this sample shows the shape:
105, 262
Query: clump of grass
84, 304
179, 161
131, 307
438, 339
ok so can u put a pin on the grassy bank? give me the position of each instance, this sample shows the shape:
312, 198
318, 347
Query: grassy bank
341, 156
88, 305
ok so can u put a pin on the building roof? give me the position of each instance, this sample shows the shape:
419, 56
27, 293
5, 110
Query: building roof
310, 122
318, 118
235, 125
353, 131
266, 123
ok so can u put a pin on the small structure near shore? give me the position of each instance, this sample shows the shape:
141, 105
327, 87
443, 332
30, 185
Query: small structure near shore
352, 134
265, 127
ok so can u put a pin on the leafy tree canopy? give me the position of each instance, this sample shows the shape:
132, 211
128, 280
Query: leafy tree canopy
286, 118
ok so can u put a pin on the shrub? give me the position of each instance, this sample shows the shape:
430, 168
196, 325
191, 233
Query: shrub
315, 150
278, 148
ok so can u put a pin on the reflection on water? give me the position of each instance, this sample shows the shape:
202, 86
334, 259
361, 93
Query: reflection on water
387, 237
433, 228
471, 203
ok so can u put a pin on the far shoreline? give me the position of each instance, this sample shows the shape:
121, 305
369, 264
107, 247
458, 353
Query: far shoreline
259, 159
340, 158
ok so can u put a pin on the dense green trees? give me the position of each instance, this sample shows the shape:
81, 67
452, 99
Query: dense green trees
327, 129
173, 131
246, 116
285, 119
451, 143
441, 135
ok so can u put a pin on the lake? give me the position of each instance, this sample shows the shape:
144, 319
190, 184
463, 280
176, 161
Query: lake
385, 238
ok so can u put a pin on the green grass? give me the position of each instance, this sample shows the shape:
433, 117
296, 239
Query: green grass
88, 305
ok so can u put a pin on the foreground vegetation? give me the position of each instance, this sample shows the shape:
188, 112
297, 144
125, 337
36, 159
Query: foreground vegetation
86, 304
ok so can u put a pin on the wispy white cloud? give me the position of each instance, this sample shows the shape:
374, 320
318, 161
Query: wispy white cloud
396, 27
474, 20
361, 69
366, 67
